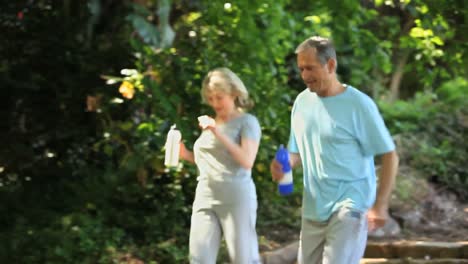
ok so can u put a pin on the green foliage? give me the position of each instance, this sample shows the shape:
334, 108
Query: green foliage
91, 185
408, 116
47, 75
454, 92
377, 39
435, 128
110, 216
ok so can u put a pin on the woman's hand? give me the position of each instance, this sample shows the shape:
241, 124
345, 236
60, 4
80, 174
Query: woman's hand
185, 154
205, 122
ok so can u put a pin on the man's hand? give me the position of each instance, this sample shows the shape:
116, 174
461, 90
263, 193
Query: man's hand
377, 217
276, 170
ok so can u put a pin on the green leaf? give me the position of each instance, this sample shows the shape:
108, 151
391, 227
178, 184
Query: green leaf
437, 40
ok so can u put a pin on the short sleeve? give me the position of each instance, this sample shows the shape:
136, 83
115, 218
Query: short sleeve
374, 136
251, 128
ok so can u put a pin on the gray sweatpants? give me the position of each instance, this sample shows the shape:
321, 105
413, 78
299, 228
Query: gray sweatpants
235, 221
340, 240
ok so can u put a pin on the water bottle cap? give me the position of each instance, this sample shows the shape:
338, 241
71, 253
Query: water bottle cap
285, 189
282, 156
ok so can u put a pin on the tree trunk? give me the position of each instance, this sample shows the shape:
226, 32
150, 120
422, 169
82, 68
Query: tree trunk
401, 61
398, 75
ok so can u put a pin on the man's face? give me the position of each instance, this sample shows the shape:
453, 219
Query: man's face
315, 75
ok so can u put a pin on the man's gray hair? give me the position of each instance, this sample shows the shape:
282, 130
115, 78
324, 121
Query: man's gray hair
324, 47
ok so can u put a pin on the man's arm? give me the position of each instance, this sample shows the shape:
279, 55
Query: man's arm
294, 159
378, 214
276, 168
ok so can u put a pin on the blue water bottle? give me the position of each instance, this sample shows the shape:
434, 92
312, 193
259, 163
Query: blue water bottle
285, 186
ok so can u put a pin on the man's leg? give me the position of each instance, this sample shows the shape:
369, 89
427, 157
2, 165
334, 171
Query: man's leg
346, 237
311, 242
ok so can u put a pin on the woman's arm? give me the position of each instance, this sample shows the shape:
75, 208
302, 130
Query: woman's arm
186, 154
244, 154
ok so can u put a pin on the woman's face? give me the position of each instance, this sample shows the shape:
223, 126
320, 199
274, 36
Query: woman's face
222, 103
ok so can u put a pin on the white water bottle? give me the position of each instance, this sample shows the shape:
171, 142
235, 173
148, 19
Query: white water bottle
172, 147
285, 185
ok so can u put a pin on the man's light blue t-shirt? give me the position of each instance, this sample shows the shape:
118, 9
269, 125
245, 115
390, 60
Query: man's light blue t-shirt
337, 138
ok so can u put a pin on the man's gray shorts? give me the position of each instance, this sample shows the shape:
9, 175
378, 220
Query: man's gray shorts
339, 240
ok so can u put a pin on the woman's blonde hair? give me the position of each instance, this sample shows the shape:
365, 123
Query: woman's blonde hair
224, 80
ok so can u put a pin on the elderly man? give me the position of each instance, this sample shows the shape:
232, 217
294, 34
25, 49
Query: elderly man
336, 131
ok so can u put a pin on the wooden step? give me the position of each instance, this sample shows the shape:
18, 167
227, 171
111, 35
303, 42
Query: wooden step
404, 252
413, 261
417, 250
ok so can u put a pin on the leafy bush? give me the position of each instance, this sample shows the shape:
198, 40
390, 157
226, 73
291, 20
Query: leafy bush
454, 92
89, 186
437, 124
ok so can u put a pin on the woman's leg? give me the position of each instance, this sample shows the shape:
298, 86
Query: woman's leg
205, 236
238, 222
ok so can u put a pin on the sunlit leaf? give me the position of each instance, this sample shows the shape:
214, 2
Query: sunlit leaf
437, 41
313, 19
418, 32
192, 17
145, 126
423, 9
